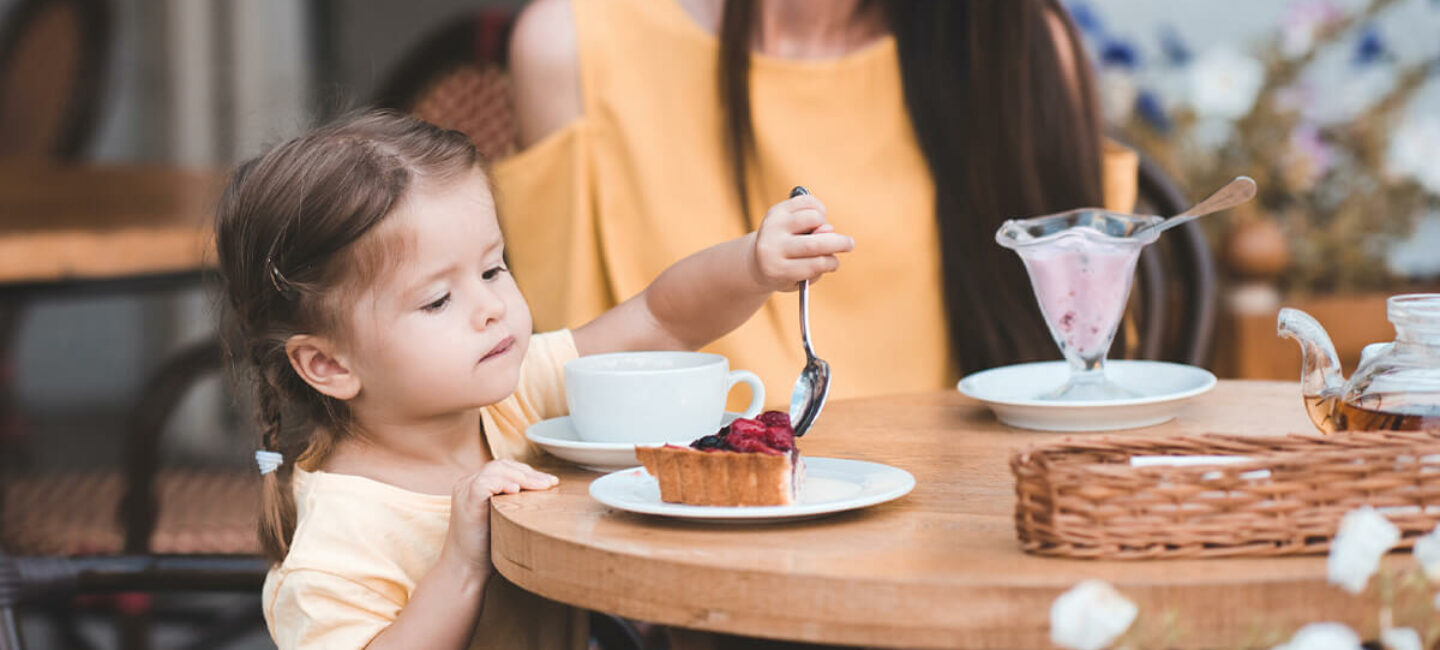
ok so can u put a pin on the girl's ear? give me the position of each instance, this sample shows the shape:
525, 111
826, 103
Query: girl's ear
318, 362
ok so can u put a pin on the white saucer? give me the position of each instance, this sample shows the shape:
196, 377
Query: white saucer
1011, 391
831, 485
558, 437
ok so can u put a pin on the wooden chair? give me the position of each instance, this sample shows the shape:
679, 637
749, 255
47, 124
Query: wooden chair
53, 57
457, 79
1177, 279
63, 533
143, 529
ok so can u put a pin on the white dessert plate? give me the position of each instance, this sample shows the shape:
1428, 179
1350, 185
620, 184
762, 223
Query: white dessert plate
831, 485
1162, 388
556, 436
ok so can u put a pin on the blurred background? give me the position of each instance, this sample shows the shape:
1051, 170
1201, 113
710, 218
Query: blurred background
1333, 106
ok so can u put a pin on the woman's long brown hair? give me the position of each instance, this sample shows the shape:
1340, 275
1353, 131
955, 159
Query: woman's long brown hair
286, 234
1004, 131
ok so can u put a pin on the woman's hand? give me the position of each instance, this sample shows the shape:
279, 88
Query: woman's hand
796, 243
468, 541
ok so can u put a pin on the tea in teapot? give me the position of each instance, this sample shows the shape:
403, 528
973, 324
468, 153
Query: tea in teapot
1395, 386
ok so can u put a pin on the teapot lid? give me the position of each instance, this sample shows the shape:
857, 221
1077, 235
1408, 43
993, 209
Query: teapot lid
1414, 311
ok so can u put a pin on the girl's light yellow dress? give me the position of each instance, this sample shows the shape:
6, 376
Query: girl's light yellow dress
597, 210
362, 546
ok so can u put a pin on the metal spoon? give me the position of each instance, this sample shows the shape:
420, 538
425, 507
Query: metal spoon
1237, 191
814, 382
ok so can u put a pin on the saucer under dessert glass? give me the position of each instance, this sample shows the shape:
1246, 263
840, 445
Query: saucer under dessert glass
1160, 390
557, 436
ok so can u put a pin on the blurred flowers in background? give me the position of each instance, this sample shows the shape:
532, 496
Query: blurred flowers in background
1321, 113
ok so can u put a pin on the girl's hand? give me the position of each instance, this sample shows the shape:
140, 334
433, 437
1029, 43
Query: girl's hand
795, 243
468, 543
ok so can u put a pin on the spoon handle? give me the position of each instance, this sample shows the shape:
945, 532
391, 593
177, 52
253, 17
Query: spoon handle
804, 296
1237, 191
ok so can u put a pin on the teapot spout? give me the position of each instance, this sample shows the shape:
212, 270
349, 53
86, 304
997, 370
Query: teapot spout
1320, 368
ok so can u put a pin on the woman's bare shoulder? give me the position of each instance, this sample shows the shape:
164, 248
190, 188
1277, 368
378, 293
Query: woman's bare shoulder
545, 68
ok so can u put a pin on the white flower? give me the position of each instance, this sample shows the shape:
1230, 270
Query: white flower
1365, 535
1415, 151
1090, 616
1343, 98
1323, 636
1401, 638
1224, 83
1427, 553
1212, 133
1302, 23
1414, 256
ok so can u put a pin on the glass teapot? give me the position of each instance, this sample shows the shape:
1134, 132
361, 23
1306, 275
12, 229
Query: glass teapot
1395, 386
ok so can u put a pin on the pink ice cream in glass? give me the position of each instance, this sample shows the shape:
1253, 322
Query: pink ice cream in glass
1081, 264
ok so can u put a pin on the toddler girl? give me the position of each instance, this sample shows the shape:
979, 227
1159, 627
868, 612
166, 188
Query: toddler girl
365, 274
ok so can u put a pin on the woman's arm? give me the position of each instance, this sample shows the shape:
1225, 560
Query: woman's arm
545, 69
714, 291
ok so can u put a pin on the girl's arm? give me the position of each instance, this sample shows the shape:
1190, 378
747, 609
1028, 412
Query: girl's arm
443, 609
714, 291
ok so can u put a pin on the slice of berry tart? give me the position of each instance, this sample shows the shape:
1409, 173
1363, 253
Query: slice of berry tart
748, 463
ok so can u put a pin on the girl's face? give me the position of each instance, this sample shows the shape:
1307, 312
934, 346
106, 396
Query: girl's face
442, 327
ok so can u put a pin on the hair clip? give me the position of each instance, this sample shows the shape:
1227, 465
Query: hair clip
268, 461
282, 286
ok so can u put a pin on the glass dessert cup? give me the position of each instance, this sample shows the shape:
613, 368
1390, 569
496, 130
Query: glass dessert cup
1081, 264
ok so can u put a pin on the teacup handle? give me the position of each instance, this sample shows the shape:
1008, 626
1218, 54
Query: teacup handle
757, 391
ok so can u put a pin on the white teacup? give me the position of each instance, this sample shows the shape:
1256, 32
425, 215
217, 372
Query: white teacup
652, 396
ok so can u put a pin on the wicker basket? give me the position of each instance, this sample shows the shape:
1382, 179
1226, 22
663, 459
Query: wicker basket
1083, 498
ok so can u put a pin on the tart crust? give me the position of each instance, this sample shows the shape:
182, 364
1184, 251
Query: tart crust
721, 478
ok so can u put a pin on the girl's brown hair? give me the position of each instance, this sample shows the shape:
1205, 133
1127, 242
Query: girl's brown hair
998, 118
285, 233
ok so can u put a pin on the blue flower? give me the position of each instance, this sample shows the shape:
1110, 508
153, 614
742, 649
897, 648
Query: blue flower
1174, 47
1119, 54
1148, 107
1371, 47
1087, 19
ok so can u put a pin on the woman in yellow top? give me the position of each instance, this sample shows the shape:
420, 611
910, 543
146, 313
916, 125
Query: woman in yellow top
655, 127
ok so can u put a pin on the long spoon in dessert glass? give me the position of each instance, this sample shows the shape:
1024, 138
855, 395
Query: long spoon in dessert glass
1237, 191
814, 382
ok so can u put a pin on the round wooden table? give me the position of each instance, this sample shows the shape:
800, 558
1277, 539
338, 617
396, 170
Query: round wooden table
938, 568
